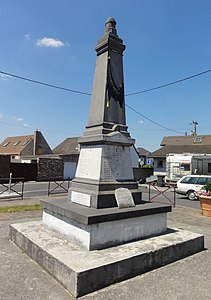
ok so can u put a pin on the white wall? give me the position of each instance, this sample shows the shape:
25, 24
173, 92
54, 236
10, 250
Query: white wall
69, 169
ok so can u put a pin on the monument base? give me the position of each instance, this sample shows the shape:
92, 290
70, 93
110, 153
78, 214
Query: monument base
96, 229
93, 193
82, 272
104, 165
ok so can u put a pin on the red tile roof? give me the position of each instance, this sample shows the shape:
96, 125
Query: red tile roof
15, 145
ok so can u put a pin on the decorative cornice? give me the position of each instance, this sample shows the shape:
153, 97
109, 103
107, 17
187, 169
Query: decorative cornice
110, 40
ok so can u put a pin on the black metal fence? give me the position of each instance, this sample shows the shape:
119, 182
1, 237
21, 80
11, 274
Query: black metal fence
9, 187
58, 185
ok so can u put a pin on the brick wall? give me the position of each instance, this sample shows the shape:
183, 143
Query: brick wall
50, 168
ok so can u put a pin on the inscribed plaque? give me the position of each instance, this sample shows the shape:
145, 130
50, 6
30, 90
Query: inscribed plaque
124, 198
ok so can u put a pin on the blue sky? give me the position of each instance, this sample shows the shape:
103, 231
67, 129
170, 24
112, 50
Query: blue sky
54, 41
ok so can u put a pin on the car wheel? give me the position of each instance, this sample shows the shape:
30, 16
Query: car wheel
191, 195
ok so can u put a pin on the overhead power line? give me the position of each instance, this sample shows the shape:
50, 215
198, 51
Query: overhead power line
44, 83
153, 121
131, 94
88, 94
168, 84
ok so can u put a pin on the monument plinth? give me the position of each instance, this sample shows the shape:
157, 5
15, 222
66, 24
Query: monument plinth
97, 235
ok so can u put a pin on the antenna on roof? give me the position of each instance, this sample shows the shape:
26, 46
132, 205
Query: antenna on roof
194, 127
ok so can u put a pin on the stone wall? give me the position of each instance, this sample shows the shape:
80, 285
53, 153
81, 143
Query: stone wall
4, 166
50, 168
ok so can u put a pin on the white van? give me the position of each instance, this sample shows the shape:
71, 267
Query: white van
190, 183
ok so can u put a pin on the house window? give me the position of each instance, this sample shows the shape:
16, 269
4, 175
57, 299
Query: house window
5, 145
77, 147
209, 167
26, 142
16, 143
197, 140
160, 164
185, 167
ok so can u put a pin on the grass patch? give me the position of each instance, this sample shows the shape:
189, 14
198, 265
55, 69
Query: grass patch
16, 208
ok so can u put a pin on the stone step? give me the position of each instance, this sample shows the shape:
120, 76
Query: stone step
81, 271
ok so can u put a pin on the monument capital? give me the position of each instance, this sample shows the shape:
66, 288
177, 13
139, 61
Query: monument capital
111, 26
110, 39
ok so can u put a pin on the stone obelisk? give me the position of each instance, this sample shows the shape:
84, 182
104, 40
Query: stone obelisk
105, 159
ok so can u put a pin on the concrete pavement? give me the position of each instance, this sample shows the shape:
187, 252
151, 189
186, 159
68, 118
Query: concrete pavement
189, 278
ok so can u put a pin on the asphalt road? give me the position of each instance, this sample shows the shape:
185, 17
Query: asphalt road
157, 194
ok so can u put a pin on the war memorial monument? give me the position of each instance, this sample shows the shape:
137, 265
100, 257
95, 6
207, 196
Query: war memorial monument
103, 232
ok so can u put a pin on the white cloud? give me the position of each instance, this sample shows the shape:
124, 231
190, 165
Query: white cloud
49, 42
27, 125
18, 119
1, 116
4, 76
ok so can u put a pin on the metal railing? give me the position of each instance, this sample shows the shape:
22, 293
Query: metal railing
10, 187
58, 185
161, 191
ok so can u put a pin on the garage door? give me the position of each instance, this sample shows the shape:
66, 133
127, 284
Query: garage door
69, 169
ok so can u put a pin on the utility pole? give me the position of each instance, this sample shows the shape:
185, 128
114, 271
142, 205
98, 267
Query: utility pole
194, 127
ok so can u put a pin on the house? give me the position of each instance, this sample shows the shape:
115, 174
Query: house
69, 150
30, 157
23, 148
144, 156
195, 144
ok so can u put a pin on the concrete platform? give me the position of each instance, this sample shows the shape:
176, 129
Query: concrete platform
73, 266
